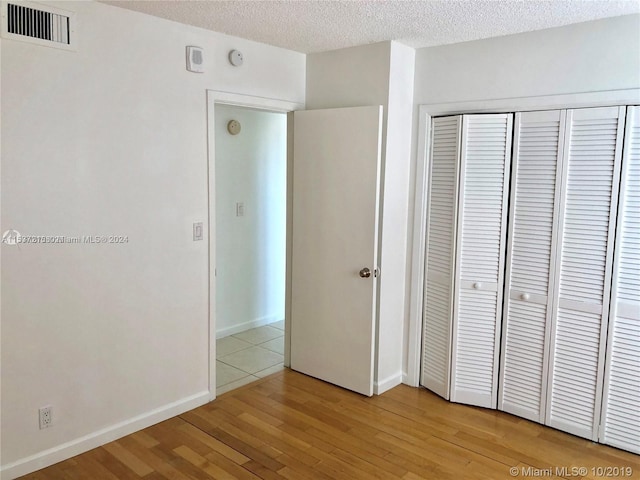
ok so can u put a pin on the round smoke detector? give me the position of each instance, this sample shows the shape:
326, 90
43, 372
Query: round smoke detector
234, 127
235, 58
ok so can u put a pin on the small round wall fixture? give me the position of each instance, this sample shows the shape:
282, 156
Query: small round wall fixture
234, 127
235, 58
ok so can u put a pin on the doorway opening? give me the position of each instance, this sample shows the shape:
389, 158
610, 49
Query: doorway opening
250, 243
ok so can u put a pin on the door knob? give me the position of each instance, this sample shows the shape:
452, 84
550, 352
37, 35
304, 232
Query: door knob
365, 273
477, 285
525, 296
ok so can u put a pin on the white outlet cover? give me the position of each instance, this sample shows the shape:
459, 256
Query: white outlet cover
45, 415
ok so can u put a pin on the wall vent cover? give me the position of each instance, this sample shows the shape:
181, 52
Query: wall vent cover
40, 24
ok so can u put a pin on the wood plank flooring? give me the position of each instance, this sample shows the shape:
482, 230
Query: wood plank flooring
290, 426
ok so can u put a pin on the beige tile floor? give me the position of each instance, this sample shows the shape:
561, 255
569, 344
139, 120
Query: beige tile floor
247, 356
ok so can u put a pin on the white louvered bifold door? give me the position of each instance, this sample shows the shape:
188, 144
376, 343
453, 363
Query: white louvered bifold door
535, 197
591, 176
620, 424
440, 251
481, 241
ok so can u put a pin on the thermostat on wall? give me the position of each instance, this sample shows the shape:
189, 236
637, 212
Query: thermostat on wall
195, 61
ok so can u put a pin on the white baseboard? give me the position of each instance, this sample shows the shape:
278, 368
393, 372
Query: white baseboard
83, 444
409, 381
241, 327
387, 383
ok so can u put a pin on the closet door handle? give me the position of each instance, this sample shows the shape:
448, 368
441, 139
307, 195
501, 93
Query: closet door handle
477, 285
525, 296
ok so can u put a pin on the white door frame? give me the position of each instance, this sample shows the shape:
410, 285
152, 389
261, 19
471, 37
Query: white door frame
426, 112
260, 103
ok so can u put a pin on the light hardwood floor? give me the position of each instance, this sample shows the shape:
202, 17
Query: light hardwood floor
292, 426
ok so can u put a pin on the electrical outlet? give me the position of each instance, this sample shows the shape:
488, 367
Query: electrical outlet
46, 417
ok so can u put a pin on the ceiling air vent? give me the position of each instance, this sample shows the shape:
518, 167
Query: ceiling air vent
39, 24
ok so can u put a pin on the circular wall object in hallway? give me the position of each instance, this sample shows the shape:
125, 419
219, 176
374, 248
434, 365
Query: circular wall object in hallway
234, 127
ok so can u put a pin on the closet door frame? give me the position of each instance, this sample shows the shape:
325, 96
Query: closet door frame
426, 112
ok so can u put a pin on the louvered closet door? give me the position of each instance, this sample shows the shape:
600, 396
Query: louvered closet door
482, 214
620, 425
440, 251
535, 195
592, 152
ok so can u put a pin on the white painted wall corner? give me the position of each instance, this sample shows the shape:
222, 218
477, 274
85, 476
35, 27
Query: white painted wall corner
387, 384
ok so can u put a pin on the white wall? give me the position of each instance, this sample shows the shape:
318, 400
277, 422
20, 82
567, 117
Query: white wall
586, 57
395, 216
110, 139
378, 74
251, 168
349, 77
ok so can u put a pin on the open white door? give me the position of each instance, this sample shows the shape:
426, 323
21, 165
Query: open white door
336, 187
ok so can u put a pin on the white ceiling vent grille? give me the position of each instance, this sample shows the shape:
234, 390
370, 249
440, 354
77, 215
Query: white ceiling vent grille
38, 24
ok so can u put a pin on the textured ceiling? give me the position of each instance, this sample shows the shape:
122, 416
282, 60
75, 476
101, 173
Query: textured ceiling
319, 25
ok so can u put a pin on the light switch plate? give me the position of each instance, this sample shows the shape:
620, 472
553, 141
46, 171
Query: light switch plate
198, 233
